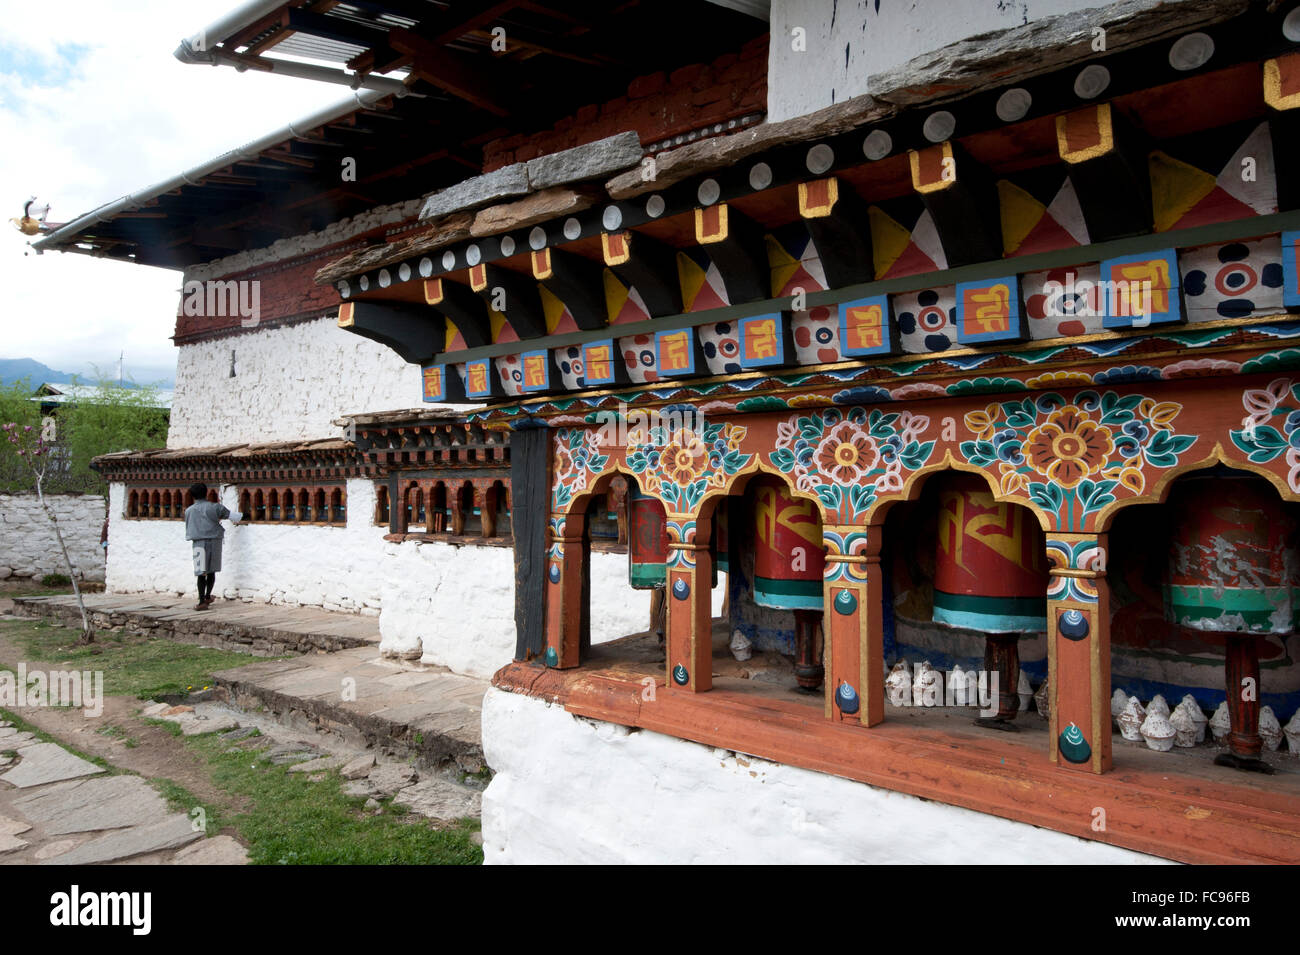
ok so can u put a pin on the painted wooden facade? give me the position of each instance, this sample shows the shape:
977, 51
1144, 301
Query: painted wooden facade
1053, 300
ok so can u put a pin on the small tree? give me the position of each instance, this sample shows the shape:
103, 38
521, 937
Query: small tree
16, 406
34, 453
110, 418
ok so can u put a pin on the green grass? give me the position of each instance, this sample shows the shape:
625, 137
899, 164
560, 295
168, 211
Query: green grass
180, 799
133, 665
296, 821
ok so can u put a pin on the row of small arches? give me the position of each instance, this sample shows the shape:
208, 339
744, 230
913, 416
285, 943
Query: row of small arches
160, 503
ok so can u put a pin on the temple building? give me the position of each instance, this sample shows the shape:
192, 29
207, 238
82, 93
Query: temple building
935, 377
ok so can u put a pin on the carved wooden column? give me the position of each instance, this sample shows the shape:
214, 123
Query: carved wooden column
1078, 652
488, 512
689, 641
567, 611
854, 624
457, 512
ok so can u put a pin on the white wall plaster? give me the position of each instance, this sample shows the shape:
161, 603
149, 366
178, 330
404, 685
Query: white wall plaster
28, 547
452, 605
573, 790
849, 40
290, 383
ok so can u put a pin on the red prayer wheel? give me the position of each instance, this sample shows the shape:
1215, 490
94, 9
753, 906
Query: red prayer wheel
1229, 556
788, 551
788, 560
990, 562
1230, 559
990, 575
647, 550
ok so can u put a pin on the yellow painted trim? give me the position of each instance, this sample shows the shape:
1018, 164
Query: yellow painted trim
819, 211
345, 318
1273, 95
1105, 127
914, 160
723, 227
611, 259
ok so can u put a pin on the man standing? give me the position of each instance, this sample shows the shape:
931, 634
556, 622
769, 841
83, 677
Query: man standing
203, 528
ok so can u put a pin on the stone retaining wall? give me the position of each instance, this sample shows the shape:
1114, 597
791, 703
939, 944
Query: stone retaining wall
28, 547
212, 631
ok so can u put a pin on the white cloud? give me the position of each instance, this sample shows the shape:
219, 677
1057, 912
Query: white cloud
93, 106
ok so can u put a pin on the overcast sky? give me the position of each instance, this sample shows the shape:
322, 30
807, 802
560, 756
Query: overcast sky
93, 106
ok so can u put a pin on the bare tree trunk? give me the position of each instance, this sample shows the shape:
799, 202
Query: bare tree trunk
87, 635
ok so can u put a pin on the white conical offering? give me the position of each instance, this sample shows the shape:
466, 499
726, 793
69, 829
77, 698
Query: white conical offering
1158, 731
1221, 722
1270, 730
923, 683
957, 685
1024, 691
741, 647
1043, 700
1118, 700
1158, 705
1292, 731
1184, 726
1130, 721
898, 685
1197, 714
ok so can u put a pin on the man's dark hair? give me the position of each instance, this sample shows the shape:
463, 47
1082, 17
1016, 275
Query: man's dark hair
199, 491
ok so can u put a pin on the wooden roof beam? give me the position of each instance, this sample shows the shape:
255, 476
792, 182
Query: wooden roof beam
453, 73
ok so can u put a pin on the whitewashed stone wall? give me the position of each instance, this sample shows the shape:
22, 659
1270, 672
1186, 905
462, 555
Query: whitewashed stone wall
290, 383
572, 790
28, 547
847, 41
441, 603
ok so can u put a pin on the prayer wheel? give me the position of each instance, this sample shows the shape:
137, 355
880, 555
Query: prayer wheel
647, 550
990, 575
789, 557
1232, 550
722, 537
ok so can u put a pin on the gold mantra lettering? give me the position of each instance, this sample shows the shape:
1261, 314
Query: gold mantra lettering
1000, 529
772, 511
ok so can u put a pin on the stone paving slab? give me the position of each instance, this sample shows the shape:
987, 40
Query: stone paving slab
258, 628
169, 833
440, 799
218, 850
41, 763
113, 802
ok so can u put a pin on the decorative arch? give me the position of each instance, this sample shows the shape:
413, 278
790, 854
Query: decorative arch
916, 481
1160, 489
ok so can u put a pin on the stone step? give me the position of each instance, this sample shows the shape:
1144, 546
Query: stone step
258, 629
429, 713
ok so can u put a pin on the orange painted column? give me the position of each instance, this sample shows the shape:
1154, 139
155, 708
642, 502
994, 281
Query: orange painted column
689, 631
1078, 652
854, 625
565, 590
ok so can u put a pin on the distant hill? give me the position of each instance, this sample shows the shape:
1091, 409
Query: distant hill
16, 369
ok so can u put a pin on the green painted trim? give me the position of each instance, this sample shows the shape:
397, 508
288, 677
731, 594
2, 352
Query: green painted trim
647, 576
1228, 598
788, 594
1180, 238
994, 614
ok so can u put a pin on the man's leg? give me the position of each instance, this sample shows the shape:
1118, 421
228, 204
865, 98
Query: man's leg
212, 580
